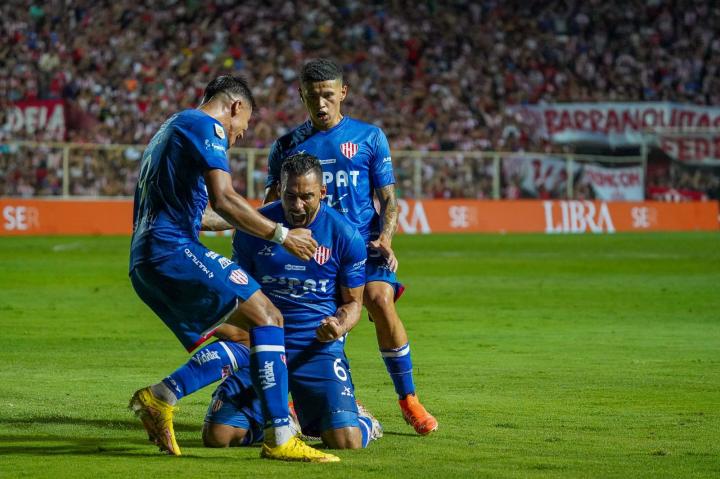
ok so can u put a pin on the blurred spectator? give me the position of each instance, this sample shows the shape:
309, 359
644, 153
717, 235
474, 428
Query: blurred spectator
434, 75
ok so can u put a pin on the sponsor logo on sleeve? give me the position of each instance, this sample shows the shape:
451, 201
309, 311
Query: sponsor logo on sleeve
214, 146
359, 264
224, 262
219, 131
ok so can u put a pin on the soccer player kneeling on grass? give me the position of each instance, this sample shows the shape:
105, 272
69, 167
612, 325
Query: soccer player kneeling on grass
321, 301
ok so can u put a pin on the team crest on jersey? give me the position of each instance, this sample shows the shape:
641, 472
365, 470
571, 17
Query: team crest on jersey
322, 254
238, 277
219, 131
349, 149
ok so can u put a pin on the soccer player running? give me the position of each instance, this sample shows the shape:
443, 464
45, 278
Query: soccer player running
194, 290
356, 162
320, 300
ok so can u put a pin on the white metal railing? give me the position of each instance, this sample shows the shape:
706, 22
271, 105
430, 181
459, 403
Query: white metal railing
74, 164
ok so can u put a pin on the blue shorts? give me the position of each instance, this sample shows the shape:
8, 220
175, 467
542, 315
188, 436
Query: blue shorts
192, 291
319, 381
376, 269
322, 388
237, 406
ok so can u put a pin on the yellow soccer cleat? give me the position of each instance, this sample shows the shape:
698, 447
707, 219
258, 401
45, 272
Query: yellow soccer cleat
417, 416
296, 450
156, 416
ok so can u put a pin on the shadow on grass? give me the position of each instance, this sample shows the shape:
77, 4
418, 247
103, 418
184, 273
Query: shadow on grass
126, 424
25, 445
41, 442
406, 434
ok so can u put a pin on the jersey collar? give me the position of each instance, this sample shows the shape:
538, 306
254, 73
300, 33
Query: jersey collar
327, 132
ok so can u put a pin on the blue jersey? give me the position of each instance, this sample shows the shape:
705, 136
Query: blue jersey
171, 195
355, 158
304, 291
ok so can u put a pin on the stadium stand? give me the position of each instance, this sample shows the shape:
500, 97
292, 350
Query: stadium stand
434, 75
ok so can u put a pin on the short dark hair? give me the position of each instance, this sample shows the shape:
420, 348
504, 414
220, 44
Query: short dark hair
320, 69
232, 85
301, 164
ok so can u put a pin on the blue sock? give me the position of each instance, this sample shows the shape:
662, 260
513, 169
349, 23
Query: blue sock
211, 363
365, 429
399, 365
269, 373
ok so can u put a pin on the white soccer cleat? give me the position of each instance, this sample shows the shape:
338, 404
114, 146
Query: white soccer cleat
377, 430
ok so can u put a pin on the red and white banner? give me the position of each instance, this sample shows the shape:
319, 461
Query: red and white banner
538, 175
664, 193
623, 184
43, 119
623, 124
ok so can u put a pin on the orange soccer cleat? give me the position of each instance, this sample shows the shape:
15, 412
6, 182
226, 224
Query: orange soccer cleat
417, 416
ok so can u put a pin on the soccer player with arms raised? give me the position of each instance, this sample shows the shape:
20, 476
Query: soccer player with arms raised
194, 290
356, 162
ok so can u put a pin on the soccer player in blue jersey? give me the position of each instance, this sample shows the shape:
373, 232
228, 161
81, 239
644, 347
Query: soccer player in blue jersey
321, 300
356, 162
194, 290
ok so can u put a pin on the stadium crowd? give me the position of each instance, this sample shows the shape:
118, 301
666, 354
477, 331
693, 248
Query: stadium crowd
434, 75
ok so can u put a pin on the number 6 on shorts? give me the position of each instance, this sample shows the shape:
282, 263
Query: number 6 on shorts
339, 370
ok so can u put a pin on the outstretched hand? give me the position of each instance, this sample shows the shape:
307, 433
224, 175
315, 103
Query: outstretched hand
300, 243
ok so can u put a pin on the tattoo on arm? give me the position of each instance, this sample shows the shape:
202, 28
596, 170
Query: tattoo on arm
211, 221
388, 210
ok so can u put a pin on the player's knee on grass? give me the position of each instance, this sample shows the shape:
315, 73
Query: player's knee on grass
343, 438
222, 435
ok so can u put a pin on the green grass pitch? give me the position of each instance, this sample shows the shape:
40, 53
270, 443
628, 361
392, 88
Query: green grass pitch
541, 356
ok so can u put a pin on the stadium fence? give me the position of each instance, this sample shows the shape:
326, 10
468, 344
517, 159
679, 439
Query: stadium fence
110, 170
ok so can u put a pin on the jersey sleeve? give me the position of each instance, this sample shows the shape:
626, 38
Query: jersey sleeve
381, 169
208, 144
352, 262
275, 159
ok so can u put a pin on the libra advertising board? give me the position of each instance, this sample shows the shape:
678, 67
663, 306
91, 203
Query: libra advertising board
96, 217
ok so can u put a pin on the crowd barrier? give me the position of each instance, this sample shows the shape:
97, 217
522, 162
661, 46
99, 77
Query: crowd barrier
114, 217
